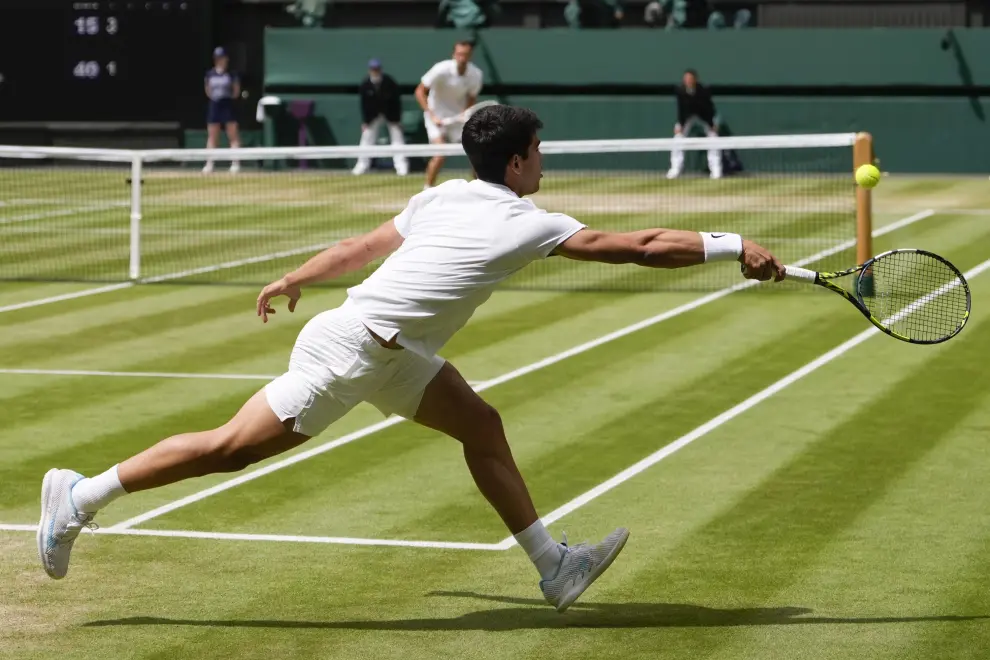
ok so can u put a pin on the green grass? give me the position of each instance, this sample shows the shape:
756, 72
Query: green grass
846, 516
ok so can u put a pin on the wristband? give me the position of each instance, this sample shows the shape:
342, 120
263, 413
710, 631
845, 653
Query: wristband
721, 246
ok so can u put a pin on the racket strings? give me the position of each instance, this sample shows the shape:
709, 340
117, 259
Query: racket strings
917, 295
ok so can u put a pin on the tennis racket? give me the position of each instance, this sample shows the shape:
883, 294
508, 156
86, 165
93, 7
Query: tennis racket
462, 117
912, 295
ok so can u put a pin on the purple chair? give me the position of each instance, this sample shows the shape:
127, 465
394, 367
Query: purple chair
302, 110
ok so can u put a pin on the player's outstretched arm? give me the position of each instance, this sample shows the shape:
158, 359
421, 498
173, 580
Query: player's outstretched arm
345, 257
671, 248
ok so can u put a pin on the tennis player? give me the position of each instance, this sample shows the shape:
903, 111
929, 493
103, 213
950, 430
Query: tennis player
449, 88
447, 251
222, 86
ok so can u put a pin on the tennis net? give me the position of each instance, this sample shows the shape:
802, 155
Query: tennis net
98, 215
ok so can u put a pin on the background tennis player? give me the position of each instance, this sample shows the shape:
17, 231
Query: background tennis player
447, 89
447, 252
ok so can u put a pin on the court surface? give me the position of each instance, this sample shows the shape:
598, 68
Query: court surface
797, 486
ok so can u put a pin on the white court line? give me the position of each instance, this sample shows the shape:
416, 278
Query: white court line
66, 296
178, 231
484, 385
278, 538
41, 215
964, 211
737, 410
145, 374
169, 277
133, 374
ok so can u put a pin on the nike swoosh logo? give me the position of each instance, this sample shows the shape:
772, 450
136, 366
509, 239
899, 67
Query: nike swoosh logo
717, 235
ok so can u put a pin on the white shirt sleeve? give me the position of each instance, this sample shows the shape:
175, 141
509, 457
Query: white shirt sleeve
403, 221
430, 77
546, 231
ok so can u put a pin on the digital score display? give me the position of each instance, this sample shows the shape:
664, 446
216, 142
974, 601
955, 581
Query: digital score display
103, 60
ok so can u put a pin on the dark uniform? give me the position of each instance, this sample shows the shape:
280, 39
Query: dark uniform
382, 99
220, 85
697, 105
381, 103
692, 108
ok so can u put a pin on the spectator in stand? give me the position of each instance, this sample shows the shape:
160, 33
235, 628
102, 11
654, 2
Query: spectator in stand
222, 86
381, 103
593, 13
694, 106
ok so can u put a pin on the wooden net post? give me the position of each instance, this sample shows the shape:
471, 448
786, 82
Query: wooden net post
863, 155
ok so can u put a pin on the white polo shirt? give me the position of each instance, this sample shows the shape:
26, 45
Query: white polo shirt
449, 91
461, 240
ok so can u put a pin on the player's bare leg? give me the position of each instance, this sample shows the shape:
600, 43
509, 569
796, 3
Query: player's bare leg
234, 136
434, 166
253, 434
212, 139
69, 501
450, 405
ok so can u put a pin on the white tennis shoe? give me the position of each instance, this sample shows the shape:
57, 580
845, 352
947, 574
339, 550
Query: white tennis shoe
60, 521
580, 567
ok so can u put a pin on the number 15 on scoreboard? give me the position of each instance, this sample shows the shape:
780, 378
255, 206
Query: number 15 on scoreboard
89, 26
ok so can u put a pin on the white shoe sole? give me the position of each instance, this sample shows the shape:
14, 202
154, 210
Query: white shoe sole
568, 598
46, 492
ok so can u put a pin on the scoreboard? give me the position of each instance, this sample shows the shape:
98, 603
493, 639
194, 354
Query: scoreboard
103, 60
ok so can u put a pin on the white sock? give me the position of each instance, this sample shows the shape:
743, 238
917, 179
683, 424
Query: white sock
91, 495
543, 551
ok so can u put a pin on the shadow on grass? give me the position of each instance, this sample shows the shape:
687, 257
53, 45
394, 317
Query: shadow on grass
534, 614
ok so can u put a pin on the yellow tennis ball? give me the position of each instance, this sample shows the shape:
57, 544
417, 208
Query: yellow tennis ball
867, 176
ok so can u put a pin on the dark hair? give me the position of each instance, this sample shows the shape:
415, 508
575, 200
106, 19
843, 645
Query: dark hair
691, 71
464, 42
493, 135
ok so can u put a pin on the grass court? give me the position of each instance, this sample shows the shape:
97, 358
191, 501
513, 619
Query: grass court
797, 486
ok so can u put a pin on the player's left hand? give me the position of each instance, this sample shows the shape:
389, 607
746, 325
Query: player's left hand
277, 288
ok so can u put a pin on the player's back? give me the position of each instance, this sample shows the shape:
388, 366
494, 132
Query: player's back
461, 240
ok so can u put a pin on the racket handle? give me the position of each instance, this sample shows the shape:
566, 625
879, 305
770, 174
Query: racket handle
795, 273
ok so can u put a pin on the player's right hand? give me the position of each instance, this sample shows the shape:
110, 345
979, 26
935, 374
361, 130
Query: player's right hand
759, 264
279, 287
436, 120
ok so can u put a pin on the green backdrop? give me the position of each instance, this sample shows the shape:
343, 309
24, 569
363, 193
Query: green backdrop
919, 91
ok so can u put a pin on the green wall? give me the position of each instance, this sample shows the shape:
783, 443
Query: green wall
914, 130
819, 58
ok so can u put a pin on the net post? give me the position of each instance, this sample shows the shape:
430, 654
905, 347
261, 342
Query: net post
134, 270
863, 155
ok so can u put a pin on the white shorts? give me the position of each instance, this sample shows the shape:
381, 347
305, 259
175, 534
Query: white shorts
450, 134
336, 364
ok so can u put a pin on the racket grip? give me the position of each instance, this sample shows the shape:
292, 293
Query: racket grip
795, 273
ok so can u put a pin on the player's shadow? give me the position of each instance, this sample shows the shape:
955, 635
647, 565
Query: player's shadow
534, 614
